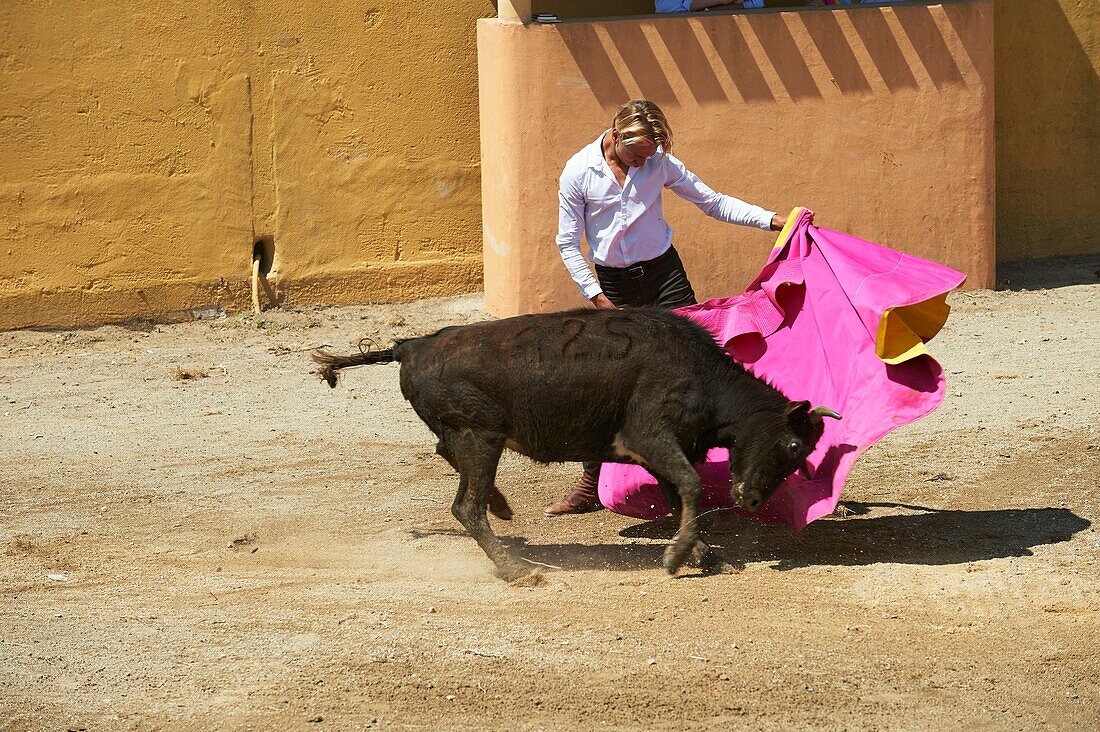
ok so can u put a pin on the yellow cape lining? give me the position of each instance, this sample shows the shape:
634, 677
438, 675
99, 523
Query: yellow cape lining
787, 227
903, 331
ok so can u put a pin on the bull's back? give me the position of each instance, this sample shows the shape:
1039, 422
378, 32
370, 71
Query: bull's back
550, 381
558, 350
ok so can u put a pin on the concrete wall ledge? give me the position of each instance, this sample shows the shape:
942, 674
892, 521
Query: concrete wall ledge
879, 118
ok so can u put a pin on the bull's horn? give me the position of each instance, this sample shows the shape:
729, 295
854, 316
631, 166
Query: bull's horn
824, 412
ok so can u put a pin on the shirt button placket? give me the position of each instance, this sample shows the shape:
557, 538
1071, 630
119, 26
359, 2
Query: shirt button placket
622, 216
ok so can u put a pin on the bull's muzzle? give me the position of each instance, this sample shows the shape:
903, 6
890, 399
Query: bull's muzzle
750, 500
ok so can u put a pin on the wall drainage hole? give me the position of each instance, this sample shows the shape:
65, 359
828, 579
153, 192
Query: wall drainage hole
264, 249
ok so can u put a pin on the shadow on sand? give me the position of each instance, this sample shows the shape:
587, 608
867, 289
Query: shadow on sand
918, 536
1049, 273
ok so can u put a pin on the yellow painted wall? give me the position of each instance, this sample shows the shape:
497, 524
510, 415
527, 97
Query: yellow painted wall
144, 147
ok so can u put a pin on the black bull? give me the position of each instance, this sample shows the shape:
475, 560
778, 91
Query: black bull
644, 386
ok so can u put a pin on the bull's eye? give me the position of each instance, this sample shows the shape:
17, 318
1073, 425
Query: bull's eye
794, 446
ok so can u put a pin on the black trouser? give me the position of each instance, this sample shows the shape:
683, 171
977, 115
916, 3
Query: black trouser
661, 281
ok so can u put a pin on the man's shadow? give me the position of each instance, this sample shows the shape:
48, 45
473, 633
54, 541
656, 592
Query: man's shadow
920, 536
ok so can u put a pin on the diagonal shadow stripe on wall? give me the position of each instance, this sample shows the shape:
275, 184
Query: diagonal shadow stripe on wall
730, 44
783, 53
633, 45
835, 51
962, 21
930, 46
692, 61
595, 65
886, 55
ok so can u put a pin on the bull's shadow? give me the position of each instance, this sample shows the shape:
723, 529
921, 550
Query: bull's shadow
922, 536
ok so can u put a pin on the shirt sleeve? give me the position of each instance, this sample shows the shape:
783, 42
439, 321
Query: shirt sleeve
570, 227
732, 210
673, 6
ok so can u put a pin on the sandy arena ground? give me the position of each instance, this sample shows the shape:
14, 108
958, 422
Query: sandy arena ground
249, 549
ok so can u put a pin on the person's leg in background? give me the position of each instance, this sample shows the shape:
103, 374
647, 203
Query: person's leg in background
623, 291
666, 285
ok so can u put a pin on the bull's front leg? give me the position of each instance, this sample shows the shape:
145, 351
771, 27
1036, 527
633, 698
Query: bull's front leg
683, 544
664, 458
701, 556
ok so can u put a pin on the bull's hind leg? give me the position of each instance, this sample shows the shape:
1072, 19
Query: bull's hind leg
498, 504
476, 457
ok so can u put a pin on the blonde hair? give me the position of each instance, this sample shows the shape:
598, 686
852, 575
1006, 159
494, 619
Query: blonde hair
640, 119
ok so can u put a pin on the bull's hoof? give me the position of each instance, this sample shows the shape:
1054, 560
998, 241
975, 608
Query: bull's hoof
705, 558
674, 558
520, 575
534, 578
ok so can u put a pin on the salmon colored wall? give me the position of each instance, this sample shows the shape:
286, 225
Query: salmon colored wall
1047, 81
143, 149
880, 119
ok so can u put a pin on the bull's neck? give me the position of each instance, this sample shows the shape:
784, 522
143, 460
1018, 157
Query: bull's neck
746, 394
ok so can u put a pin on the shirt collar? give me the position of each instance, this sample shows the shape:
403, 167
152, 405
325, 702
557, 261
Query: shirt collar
595, 151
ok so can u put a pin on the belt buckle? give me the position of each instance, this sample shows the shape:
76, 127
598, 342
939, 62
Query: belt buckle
636, 271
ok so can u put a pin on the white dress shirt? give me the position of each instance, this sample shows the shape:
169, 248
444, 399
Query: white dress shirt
624, 226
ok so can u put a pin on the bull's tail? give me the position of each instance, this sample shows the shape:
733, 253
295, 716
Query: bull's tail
330, 364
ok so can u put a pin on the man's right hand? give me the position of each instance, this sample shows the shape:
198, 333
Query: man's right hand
602, 303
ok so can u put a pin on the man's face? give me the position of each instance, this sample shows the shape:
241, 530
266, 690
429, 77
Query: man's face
636, 153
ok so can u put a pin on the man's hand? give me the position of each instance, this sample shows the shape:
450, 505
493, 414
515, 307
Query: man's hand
778, 222
602, 303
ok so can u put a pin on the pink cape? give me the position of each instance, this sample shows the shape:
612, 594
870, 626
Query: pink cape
832, 319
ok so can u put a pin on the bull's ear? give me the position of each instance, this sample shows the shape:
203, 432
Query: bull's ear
797, 409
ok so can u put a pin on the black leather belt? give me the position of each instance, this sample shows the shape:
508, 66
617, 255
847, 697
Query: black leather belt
635, 271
